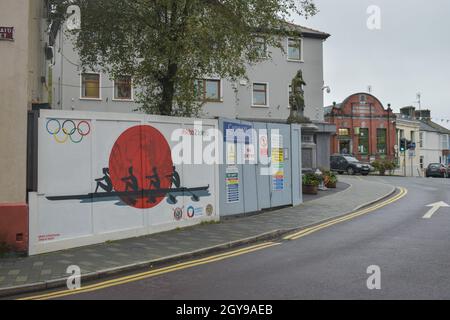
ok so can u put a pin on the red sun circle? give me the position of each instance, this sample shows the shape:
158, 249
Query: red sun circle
141, 151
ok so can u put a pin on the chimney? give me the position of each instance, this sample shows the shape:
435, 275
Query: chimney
408, 111
423, 114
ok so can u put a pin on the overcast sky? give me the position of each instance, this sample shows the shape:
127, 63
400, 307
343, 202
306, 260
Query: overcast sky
409, 54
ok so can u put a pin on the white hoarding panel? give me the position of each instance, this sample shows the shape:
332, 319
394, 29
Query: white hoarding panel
111, 176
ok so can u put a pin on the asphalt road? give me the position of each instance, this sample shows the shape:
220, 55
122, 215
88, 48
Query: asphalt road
413, 255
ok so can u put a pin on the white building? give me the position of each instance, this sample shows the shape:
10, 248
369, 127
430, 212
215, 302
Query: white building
264, 98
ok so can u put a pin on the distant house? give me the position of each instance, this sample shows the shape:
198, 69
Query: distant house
365, 128
264, 97
434, 140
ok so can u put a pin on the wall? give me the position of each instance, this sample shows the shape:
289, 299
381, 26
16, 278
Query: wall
14, 101
69, 210
431, 151
278, 72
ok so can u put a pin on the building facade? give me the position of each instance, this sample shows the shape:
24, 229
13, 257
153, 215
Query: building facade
264, 97
408, 127
434, 140
22, 65
365, 128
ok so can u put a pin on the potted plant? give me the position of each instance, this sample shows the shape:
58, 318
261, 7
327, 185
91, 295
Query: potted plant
310, 183
330, 179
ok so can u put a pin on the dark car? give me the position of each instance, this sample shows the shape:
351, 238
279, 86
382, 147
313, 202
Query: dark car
349, 164
436, 170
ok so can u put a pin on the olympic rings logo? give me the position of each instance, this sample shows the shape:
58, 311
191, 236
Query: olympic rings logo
71, 130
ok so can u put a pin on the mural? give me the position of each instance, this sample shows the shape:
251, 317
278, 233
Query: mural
104, 177
140, 173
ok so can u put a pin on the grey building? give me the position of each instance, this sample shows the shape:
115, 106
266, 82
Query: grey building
264, 97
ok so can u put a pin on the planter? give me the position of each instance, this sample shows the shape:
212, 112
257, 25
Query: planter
331, 185
308, 189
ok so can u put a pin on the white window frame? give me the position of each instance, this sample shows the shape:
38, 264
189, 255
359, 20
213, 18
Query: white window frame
99, 87
122, 100
301, 60
267, 105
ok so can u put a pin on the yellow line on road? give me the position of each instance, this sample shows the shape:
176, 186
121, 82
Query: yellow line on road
152, 273
308, 231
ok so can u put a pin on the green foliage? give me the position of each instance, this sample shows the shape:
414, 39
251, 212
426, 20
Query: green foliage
310, 179
384, 165
165, 45
329, 177
4, 248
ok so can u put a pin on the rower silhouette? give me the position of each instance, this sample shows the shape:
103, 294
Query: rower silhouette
131, 182
175, 178
155, 182
107, 185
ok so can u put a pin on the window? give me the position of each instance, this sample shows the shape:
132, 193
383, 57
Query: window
444, 142
295, 49
260, 96
381, 141
421, 139
123, 89
363, 143
344, 132
261, 47
422, 162
90, 86
208, 89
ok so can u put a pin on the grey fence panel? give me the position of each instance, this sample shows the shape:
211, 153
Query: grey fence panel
282, 190
262, 180
296, 141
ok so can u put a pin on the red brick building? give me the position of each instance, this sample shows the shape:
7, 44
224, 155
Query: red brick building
364, 128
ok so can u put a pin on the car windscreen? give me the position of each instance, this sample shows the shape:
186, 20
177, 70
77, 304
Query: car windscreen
351, 159
435, 166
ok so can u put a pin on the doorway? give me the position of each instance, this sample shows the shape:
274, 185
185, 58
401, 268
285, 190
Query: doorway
345, 147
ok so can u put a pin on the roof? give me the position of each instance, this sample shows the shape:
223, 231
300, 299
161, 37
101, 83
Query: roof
428, 125
307, 32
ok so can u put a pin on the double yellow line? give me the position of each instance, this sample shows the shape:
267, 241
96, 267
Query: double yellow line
152, 273
305, 232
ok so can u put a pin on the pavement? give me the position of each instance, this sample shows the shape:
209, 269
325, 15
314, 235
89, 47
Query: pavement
37, 273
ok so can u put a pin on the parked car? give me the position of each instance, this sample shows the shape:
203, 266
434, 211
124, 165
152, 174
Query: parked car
349, 164
437, 170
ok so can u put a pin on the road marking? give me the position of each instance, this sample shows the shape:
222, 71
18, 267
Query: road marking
435, 207
153, 273
308, 231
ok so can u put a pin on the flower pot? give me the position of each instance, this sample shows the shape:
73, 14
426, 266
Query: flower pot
331, 185
308, 189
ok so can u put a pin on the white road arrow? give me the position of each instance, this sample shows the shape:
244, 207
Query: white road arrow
435, 207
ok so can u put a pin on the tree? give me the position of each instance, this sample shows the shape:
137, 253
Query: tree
297, 100
165, 45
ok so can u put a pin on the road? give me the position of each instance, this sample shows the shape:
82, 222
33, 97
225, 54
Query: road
411, 252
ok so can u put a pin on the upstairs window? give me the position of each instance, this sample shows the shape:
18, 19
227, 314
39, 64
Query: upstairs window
123, 88
261, 47
90, 86
260, 95
208, 90
295, 49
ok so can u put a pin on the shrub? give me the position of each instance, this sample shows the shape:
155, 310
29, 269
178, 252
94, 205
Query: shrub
384, 165
311, 179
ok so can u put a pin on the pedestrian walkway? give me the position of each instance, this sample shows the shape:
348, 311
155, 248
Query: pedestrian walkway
49, 270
